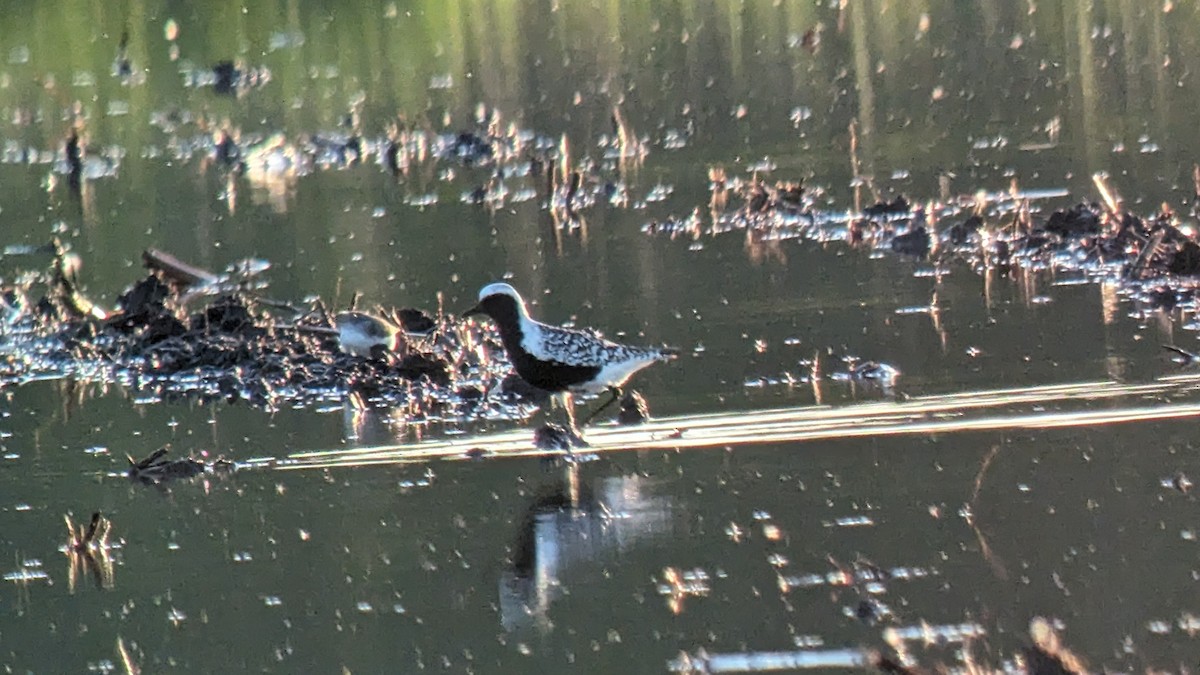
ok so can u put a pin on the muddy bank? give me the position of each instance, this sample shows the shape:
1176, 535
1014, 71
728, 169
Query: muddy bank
184, 333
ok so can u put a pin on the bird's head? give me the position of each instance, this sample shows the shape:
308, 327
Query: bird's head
499, 301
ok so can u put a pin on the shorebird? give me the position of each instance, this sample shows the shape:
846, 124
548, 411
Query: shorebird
561, 360
365, 334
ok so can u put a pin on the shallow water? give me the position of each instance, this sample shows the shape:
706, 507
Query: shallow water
1026, 462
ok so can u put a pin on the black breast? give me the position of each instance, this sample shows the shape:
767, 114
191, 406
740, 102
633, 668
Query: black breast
549, 375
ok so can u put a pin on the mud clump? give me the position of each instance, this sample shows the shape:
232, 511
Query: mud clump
229, 315
1186, 259
914, 242
418, 365
415, 321
156, 468
898, 207
1077, 221
185, 333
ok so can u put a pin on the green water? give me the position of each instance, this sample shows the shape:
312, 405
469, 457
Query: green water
404, 568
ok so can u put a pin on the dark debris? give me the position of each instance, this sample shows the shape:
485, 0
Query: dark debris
156, 468
178, 335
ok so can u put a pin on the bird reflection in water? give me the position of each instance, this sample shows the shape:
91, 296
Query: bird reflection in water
567, 525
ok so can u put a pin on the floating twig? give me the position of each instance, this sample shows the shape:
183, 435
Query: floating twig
176, 270
1111, 200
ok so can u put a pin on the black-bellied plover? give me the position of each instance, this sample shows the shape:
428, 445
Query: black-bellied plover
562, 360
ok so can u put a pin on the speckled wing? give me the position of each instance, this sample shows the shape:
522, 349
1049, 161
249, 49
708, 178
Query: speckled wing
577, 348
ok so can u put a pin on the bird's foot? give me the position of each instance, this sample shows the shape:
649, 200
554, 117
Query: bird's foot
558, 437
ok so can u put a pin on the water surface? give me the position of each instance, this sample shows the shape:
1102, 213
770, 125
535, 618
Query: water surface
729, 547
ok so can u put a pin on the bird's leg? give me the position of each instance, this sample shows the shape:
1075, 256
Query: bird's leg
616, 393
568, 402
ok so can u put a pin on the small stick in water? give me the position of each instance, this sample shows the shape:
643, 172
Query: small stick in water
854, 164
131, 667
1112, 201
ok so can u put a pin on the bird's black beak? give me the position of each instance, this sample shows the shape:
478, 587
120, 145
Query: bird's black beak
477, 309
